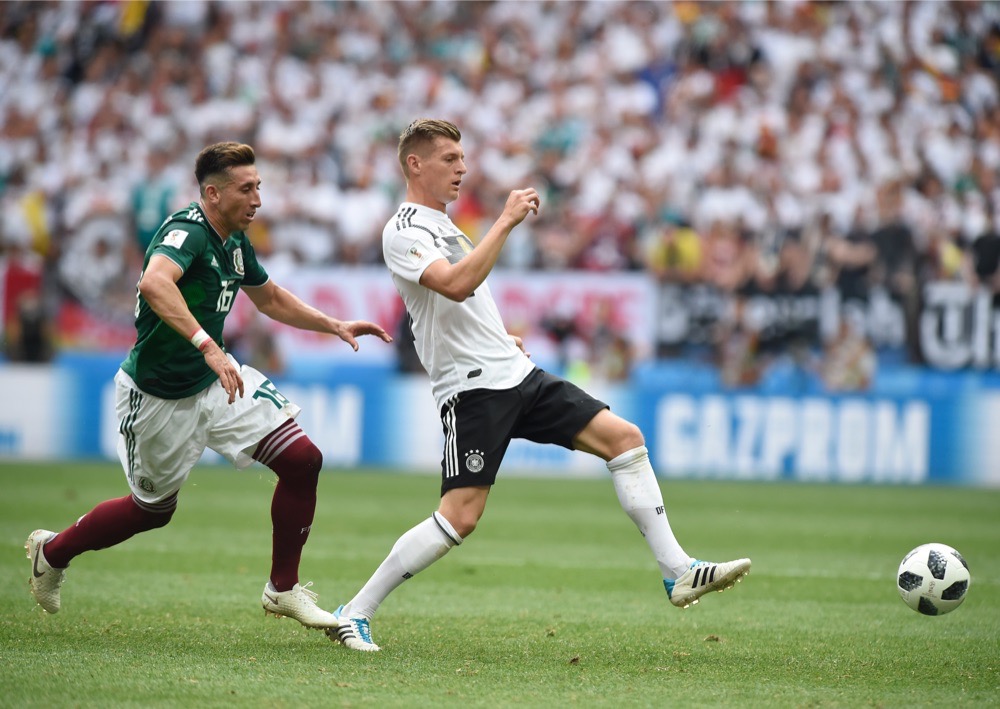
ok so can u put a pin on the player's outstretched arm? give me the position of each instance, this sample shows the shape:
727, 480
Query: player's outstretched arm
458, 281
285, 307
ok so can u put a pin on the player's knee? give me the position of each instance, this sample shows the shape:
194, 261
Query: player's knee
465, 525
310, 459
630, 436
463, 520
299, 464
155, 520
155, 516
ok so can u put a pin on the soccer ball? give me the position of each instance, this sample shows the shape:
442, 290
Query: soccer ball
933, 579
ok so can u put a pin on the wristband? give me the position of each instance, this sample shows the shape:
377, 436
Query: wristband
200, 339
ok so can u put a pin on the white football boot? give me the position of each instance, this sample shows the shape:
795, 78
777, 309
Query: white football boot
298, 603
353, 631
703, 577
45, 580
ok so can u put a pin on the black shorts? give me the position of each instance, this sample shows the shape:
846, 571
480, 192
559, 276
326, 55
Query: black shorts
479, 424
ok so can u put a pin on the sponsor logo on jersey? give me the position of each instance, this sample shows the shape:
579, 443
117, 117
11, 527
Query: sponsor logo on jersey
474, 461
215, 264
414, 253
175, 238
238, 261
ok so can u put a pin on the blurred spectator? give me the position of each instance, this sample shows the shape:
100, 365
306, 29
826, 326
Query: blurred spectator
674, 253
29, 333
737, 347
897, 262
986, 262
611, 354
729, 257
742, 120
849, 362
24, 322
155, 197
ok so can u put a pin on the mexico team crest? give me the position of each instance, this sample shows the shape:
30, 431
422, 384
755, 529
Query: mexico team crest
238, 261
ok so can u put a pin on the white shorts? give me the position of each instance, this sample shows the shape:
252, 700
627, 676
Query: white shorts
161, 440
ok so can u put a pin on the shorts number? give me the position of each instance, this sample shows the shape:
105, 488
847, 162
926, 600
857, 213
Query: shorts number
268, 391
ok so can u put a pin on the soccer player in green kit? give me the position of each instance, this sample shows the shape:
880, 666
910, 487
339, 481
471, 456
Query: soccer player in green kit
179, 392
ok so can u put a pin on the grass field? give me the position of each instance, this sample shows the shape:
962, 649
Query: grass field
555, 601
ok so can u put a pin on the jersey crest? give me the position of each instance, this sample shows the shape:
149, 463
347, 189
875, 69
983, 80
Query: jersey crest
238, 261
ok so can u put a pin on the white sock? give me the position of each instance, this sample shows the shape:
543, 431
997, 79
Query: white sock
640, 497
413, 552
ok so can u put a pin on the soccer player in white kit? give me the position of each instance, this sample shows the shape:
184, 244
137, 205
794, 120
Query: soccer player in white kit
489, 392
179, 392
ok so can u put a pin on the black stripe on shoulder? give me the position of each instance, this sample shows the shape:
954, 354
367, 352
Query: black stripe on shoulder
404, 220
403, 217
421, 228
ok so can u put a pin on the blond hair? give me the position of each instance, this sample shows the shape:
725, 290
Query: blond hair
423, 132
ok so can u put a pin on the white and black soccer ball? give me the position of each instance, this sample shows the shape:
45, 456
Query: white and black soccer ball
933, 579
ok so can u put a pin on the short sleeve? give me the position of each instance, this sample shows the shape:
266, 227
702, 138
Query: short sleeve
411, 250
182, 243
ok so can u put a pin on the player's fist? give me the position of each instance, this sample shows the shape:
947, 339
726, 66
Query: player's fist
520, 203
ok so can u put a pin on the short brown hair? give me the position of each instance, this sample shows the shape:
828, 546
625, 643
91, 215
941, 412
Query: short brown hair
214, 161
421, 131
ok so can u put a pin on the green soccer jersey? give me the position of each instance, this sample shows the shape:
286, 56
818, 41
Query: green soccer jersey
162, 362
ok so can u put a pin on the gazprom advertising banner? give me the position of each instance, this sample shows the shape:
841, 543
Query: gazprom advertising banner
916, 427
928, 432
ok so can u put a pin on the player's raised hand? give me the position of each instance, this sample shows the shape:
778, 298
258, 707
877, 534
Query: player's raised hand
520, 203
228, 375
351, 329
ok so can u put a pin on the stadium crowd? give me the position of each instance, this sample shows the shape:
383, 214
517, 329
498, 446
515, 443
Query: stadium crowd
738, 147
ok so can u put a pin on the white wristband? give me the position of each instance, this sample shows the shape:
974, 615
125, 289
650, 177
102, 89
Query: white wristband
200, 338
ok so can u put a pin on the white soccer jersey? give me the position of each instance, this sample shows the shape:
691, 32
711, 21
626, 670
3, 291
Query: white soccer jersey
461, 345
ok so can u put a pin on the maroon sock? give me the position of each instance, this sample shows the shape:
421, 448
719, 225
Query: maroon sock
297, 462
110, 523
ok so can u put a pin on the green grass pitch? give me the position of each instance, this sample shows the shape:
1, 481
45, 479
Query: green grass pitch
554, 601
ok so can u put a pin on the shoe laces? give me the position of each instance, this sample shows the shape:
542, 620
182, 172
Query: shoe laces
310, 596
363, 629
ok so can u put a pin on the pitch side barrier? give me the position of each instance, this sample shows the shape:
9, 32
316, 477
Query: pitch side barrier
914, 426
